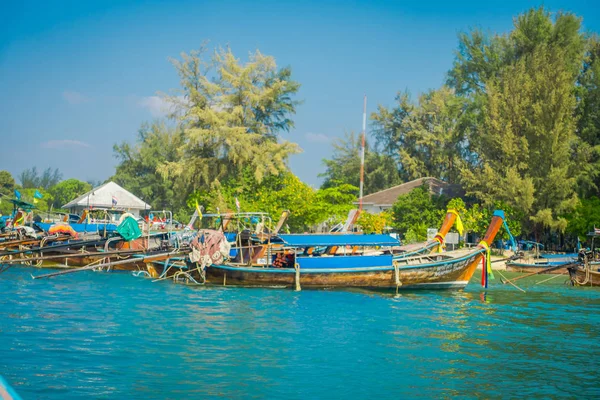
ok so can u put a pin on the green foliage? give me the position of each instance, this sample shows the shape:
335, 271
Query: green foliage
42, 204
277, 193
588, 123
519, 119
30, 178
7, 187
138, 169
481, 57
344, 166
424, 138
273, 195
231, 114
584, 218
67, 190
526, 139
416, 211
374, 223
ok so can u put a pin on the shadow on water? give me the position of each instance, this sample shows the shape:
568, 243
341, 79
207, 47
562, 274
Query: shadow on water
114, 335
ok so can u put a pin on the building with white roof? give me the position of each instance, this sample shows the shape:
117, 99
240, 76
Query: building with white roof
108, 196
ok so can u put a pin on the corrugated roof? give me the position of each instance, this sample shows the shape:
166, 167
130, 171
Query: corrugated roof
102, 197
436, 186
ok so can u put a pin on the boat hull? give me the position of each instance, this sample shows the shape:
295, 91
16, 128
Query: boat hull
580, 277
531, 268
446, 274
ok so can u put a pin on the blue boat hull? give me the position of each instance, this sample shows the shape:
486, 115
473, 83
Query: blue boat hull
438, 272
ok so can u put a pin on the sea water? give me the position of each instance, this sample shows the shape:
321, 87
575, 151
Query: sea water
113, 335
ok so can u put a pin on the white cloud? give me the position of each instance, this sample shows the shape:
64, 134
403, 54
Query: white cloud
158, 106
317, 137
73, 97
63, 144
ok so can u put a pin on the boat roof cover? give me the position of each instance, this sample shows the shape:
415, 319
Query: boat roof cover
339, 240
109, 195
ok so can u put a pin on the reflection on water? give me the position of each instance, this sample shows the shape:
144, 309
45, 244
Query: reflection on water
113, 335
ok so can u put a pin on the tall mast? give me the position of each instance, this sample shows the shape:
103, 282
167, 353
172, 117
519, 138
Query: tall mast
362, 154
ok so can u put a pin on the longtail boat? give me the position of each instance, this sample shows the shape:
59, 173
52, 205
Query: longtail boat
434, 271
585, 275
524, 267
434, 245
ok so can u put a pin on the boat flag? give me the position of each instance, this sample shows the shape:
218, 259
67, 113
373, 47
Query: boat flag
17, 194
114, 201
237, 204
37, 195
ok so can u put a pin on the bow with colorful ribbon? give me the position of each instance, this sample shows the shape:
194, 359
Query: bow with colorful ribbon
486, 265
459, 225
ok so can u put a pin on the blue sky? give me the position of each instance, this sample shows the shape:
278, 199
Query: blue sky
77, 77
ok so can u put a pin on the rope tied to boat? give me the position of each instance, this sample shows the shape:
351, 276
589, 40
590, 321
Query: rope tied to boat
397, 276
297, 268
486, 264
587, 268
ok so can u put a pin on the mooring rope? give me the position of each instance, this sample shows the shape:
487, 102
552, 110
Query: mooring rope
397, 276
140, 273
587, 269
297, 268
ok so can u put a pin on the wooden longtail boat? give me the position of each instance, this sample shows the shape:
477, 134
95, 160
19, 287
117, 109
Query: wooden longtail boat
434, 271
585, 275
514, 266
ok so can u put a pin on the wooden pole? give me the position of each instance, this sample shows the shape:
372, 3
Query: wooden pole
53, 247
540, 272
111, 264
70, 255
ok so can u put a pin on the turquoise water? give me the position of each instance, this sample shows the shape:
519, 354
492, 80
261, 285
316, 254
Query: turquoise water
111, 335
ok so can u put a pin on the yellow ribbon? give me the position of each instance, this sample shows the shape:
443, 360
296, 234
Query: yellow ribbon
199, 212
487, 258
459, 225
19, 220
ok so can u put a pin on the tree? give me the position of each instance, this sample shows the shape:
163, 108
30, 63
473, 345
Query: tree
7, 187
481, 57
518, 116
527, 138
374, 223
424, 139
332, 204
273, 195
68, 190
344, 166
138, 168
416, 211
231, 114
31, 179
588, 121
584, 218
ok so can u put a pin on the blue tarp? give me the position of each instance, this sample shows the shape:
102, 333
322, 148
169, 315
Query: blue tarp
307, 240
384, 260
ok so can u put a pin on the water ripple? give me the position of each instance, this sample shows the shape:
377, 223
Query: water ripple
112, 335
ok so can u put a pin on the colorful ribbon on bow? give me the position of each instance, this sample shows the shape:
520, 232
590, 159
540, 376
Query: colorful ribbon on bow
486, 265
459, 225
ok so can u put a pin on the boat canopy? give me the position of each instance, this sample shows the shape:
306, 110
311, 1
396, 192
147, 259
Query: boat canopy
339, 240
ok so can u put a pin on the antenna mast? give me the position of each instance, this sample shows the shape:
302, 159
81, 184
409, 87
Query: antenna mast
362, 154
